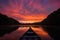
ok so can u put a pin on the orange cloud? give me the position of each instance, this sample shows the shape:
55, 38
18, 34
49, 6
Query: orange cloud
28, 10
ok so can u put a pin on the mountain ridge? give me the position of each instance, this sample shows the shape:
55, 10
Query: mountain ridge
4, 21
53, 18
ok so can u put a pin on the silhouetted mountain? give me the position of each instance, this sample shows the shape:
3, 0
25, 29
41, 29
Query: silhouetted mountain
52, 19
5, 24
5, 20
52, 24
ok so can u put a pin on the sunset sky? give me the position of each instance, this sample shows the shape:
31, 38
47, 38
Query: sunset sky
28, 11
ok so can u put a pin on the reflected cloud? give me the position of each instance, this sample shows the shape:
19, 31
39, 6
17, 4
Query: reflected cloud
42, 33
15, 35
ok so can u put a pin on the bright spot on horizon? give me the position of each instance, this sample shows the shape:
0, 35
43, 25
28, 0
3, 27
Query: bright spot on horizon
31, 21
28, 21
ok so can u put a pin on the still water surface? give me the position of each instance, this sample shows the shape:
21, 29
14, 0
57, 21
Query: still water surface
41, 31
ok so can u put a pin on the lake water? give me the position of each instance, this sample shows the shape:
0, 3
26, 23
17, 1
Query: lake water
43, 31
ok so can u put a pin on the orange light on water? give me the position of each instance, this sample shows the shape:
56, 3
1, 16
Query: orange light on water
41, 33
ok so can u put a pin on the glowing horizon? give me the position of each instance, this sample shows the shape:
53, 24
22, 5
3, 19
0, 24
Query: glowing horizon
28, 21
28, 10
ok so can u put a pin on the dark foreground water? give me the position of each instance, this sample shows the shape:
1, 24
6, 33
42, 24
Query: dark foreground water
43, 31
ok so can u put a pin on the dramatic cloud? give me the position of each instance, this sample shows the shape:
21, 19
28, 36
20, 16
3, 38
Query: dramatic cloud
28, 10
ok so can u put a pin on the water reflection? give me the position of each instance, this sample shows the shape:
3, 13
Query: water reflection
15, 35
44, 31
53, 31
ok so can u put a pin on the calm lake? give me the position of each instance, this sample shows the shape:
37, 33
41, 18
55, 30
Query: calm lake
45, 32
